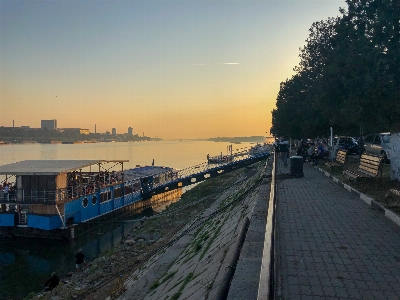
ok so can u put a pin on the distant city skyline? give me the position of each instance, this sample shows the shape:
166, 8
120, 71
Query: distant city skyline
174, 69
53, 125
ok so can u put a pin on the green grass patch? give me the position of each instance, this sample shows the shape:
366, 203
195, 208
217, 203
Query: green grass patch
188, 278
168, 276
210, 241
176, 296
154, 285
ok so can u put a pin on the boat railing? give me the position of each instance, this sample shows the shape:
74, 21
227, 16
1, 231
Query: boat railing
43, 196
29, 197
192, 170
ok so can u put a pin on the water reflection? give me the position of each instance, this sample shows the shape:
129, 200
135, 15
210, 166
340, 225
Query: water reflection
37, 264
6, 259
48, 154
34, 260
107, 236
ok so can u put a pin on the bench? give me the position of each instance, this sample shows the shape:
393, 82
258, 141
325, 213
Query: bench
392, 198
370, 166
339, 161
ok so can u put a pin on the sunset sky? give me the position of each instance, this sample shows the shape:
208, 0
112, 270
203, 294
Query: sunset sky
170, 69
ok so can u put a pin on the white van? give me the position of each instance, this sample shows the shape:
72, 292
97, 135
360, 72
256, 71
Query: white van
378, 144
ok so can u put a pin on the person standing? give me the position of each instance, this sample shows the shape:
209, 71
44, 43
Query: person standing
79, 260
283, 147
6, 190
319, 154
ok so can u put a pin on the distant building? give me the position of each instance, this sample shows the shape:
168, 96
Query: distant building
130, 131
49, 124
114, 131
84, 131
73, 130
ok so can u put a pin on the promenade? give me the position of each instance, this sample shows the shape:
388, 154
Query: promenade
330, 244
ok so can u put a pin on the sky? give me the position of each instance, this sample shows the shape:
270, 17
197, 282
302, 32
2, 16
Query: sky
168, 69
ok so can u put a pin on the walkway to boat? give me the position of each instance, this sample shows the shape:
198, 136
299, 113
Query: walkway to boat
204, 171
330, 244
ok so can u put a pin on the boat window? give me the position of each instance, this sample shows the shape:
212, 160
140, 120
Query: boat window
85, 202
94, 200
136, 186
105, 196
117, 192
127, 189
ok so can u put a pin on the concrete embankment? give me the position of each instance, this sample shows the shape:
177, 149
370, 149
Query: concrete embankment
201, 265
189, 250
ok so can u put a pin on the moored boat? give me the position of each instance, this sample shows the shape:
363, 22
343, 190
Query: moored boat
47, 198
259, 149
220, 159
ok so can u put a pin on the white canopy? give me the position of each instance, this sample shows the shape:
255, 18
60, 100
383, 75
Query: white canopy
48, 167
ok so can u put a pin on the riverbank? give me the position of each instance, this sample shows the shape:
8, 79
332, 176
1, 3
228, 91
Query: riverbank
229, 197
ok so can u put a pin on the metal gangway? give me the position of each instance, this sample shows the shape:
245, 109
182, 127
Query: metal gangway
204, 171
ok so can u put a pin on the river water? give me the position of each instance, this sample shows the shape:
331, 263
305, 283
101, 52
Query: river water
26, 264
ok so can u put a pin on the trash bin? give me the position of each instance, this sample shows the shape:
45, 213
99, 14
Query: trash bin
296, 166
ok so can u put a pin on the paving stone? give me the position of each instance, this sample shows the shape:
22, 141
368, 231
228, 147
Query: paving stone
246, 282
326, 232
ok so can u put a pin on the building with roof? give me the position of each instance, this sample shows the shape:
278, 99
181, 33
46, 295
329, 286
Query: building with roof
49, 124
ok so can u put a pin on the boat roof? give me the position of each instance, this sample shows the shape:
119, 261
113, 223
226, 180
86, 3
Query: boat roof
49, 167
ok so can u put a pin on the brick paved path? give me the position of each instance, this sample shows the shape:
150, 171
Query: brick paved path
330, 244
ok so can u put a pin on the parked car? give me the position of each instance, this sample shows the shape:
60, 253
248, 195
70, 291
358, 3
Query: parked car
347, 143
378, 144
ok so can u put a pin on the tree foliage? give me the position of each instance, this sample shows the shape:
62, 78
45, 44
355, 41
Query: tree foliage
348, 76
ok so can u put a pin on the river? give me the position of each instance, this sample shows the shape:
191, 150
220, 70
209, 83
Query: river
25, 264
